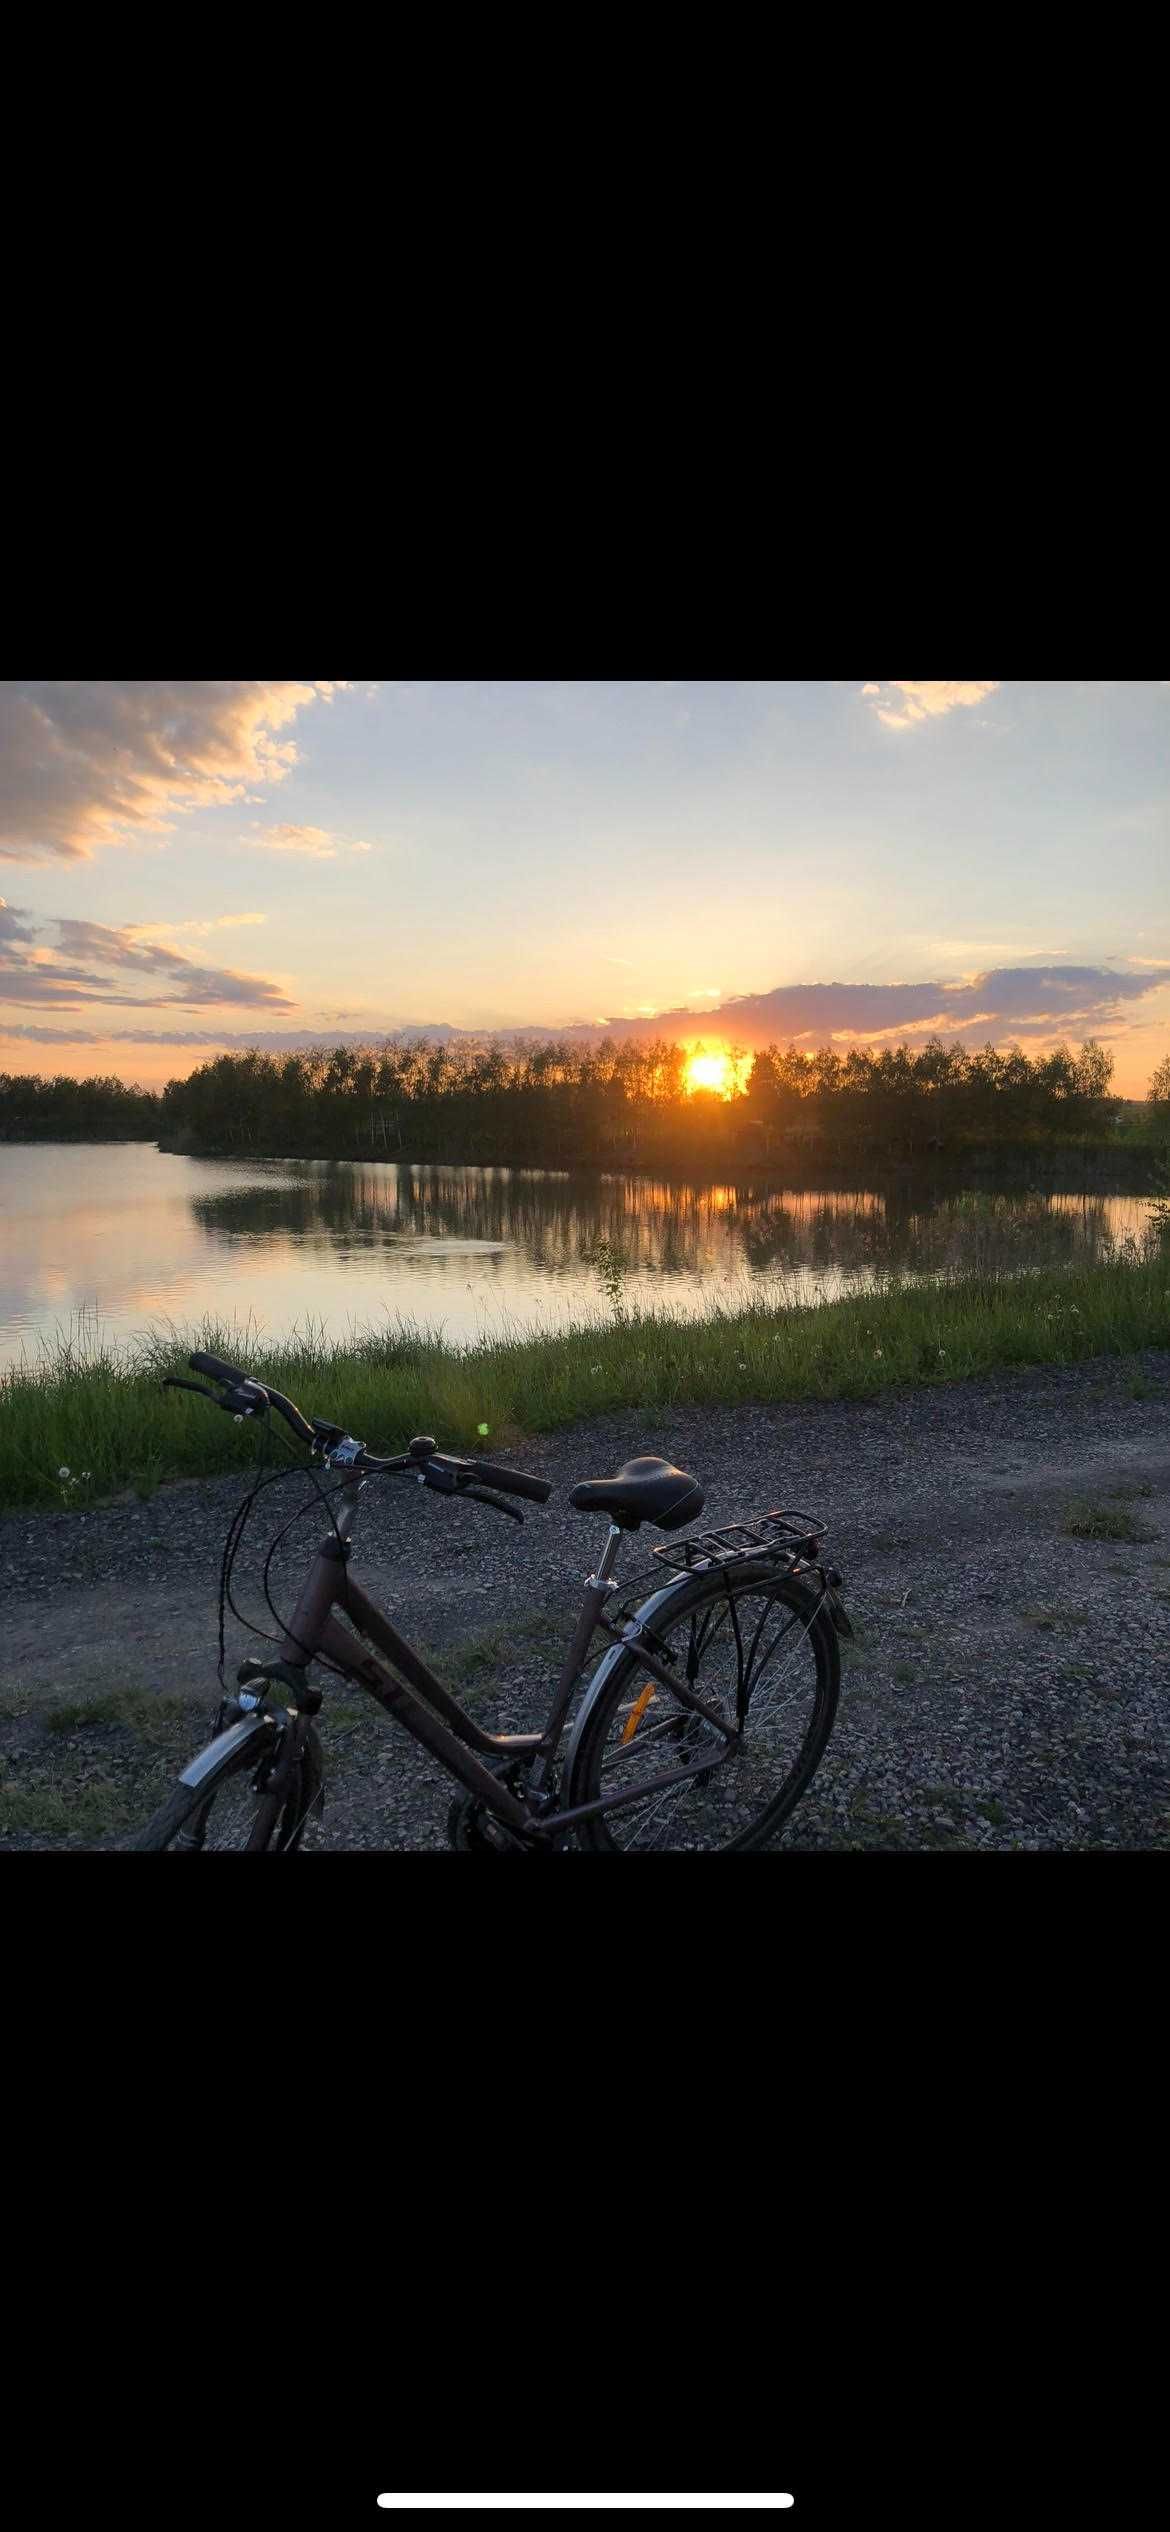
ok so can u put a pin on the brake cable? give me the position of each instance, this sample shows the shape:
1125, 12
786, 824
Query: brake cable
231, 1545
302, 1508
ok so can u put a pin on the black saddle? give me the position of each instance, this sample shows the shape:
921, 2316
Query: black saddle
644, 1490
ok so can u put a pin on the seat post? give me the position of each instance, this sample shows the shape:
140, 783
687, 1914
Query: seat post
608, 1557
597, 1590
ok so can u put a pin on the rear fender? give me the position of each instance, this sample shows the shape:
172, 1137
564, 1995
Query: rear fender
815, 1595
645, 1616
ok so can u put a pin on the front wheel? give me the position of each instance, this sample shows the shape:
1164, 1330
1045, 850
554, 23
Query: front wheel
759, 1650
256, 1800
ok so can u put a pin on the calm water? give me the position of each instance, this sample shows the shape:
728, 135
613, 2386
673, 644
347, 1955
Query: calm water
124, 1236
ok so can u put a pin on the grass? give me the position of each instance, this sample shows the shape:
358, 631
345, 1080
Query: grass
1105, 1521
1047, 1620
153, 1716
86, 1421
97, 1809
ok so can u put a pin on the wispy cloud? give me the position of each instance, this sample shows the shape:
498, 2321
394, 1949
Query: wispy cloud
318, 843
902, 702
212, 923
91, 761
95, 964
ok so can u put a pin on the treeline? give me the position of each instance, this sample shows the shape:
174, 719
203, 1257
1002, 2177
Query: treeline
35, 1109
559, 1105
935, 1097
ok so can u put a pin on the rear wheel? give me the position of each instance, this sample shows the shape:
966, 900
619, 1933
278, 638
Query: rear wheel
755, 1646
257, 1801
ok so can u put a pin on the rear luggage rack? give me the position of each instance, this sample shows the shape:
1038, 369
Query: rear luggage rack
795, 1535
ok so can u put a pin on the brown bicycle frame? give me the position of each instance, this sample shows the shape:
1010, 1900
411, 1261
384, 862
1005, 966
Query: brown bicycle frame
432, 1716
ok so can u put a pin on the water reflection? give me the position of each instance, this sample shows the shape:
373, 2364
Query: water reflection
129, 1235
659, 1226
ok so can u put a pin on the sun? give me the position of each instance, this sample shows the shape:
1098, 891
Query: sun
710, 1072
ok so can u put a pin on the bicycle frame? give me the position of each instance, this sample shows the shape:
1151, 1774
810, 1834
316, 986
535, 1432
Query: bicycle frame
415, 1698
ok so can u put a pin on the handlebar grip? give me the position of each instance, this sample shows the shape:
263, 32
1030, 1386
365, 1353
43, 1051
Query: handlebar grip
215, 1370
512, 1481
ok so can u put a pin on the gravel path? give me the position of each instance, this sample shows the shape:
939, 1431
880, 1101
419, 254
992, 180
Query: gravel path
1010, 1687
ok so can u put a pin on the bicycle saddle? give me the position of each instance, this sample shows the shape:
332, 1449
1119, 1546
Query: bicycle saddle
644, 1490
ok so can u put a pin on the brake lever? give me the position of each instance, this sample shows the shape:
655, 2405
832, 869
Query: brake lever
479, 1494
200, 1392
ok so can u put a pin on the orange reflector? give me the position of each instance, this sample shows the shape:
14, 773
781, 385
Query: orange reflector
639, 1710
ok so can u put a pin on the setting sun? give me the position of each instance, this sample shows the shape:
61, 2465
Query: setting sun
708, 1072
711, 1072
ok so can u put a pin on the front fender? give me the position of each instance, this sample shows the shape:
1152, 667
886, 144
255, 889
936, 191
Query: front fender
207, 1760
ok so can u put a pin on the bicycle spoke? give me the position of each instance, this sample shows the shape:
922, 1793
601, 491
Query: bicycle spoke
747, 1653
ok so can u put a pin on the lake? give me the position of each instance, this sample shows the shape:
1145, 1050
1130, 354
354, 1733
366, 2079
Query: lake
120, 1236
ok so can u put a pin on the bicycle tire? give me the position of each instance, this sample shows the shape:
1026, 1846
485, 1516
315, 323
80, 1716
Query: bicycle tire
702, 1615
173, 1824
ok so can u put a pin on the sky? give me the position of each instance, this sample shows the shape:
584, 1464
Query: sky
198, 864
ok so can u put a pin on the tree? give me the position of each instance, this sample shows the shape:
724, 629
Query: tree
1158, 1094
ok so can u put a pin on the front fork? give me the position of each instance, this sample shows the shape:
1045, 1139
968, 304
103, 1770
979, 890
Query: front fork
281, 1759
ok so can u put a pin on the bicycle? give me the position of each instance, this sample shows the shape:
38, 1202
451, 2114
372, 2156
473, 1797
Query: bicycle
691, 1735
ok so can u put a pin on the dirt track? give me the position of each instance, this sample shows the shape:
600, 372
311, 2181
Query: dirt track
1011, 1685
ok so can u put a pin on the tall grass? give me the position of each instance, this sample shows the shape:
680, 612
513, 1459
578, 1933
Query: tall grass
99, 1415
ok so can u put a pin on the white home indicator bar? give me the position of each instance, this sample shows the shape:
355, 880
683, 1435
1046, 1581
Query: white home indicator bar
739, 2503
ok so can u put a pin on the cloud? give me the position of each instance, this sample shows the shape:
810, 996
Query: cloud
212, 923
11, 926
94, 964
315, 841
1005, 1002
1041, 1004
273, 1041
901, 702
91, 761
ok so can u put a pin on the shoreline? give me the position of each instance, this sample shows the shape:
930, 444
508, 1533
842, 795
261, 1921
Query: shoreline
105, 1422
1049, 1168
1060, 1169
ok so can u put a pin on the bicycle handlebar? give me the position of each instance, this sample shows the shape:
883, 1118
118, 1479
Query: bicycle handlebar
511, 1481
252, 1393
213, 1369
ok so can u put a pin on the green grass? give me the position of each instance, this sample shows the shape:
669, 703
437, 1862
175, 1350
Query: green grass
97, 1809
154, 1716
1105, 1521
99, 1414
